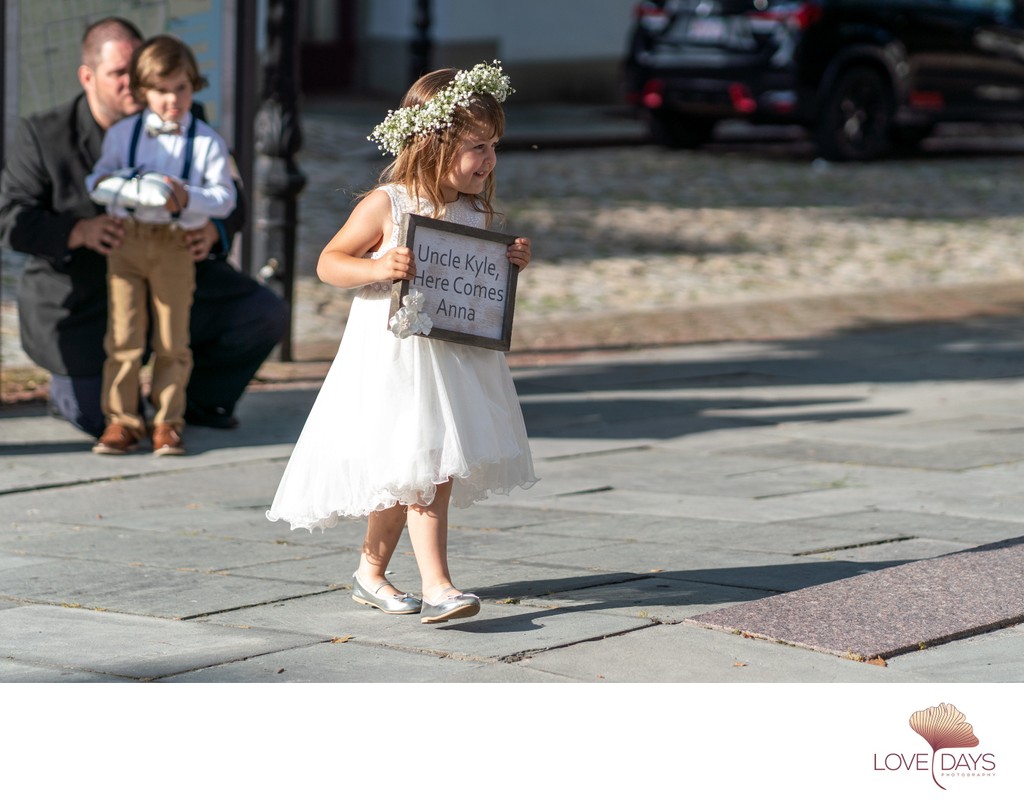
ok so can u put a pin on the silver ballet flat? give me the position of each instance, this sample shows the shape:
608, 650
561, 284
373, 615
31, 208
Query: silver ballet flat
462, 605
403, 604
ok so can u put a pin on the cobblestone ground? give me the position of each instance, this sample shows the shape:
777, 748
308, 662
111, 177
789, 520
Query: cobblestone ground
638, 228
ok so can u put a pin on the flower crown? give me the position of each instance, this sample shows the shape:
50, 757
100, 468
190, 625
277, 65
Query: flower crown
439, 112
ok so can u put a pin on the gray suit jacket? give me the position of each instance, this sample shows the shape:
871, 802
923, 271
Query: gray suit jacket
62, 297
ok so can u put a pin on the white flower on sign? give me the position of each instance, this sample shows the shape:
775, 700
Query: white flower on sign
409, 319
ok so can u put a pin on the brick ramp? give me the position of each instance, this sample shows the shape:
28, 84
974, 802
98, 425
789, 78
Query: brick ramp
893, 611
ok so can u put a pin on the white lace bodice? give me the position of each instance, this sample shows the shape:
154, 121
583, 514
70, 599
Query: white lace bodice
460, 212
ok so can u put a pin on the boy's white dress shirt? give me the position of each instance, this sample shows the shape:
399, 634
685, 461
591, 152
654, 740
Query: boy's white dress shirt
211, 190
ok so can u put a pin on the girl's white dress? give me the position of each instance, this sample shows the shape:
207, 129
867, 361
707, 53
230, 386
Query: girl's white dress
395, 417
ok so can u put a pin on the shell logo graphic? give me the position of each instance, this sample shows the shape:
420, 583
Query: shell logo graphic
943, 726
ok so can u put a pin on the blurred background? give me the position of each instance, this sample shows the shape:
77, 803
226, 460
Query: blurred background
669, 159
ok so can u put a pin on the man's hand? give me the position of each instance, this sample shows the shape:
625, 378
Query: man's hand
102, 233
200, 241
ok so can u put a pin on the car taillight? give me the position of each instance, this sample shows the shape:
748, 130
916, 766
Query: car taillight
742, 100
653, 94
927, 100
799, 15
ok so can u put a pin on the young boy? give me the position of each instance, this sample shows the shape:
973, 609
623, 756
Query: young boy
188, 165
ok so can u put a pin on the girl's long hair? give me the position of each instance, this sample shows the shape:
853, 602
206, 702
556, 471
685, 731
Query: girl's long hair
425, 161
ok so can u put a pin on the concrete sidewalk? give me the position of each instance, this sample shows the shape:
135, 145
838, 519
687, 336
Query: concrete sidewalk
684, 491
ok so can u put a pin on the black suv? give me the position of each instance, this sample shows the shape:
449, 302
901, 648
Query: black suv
863, 76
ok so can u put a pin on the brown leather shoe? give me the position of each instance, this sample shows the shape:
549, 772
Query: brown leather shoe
167, 441
116, 440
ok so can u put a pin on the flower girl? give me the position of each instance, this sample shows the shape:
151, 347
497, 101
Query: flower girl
405, 425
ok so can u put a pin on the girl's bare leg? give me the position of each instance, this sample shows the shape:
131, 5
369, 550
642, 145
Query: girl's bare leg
428, 530
383, 531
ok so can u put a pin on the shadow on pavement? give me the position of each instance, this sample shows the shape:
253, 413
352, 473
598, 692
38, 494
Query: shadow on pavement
678, 588
624, 395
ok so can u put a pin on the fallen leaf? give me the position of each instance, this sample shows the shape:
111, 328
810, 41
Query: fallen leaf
877, 661
738, 664
342, 639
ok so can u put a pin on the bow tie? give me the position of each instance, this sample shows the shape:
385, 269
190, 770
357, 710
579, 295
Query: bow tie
163, 128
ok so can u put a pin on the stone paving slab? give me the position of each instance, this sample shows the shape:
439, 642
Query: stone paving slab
502, 630
248, 524
778, 574
137, 496
962, 455
639, 557
618, 421
737, 509
13, 672
652, 528
961, 497
355, 662
534, 545
37, 452
971, 500
559, 447
995, 657
656, 598
795, 536
884, 524
325, 570
674, 474
895, 552
9, 562
688, 654
895, 610
171, 549
657, 504
512, 581
500, 514
138, 590
31, 477
894, 432
494, 579
762, 570
129, 645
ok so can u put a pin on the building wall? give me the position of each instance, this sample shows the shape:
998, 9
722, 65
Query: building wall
555, 50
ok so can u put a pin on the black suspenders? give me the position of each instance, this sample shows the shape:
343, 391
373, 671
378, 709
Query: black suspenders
189, 139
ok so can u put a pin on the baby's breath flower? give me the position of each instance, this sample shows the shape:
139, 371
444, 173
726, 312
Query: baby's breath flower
439, 112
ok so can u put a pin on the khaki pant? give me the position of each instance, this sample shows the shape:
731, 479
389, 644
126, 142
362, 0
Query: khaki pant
152, 267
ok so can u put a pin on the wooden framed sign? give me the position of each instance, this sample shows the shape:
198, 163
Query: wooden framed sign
467, 282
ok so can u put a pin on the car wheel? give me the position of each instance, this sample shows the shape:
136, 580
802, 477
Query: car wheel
679, 132
856, 117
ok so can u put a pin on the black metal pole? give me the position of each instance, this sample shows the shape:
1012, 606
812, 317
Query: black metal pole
420, 48
3, 132
277, 139
246, 63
